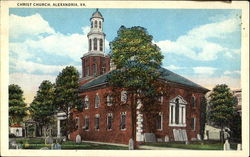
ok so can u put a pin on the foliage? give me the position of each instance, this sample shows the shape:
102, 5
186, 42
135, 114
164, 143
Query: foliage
221, 106
66, 93
203, 116
42, 108
235, 127
137, 62
17, 106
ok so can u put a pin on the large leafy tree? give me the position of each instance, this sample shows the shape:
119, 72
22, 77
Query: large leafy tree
221, 106
17, 106
137, 60
66, 94
42, 108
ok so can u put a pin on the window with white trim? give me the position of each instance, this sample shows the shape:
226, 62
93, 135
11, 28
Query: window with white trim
193, 101
95, 24
177, 112
161, 98
123, 121
109, 121
86, 102
100, 24
124, 96
86, 123
77, 122
109, 100
193, 123
95, 43
97, 122
97, 101
159, 121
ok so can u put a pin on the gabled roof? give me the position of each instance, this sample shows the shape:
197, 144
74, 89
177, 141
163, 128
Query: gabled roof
165, 75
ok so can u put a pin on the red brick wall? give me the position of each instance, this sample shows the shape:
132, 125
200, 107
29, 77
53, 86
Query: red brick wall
186, 93
118, 136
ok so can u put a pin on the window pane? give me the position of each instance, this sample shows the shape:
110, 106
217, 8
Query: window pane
177, 111
95, 24
172, 114
109, 121
101, 44
100, 24
95, 44
123, 121
97, 120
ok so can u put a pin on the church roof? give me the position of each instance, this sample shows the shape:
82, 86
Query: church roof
165, 74
97, 14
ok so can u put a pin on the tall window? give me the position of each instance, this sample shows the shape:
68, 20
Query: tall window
77, 122
86, 123
109, 100
123, 121
100, 24
109, 121
161, 98
124, 96
159, 121
94, 69
193, 121
177, 105
101, 45
97, 101
90, 44
95, 24
86, 102
177, 112
91, 24
193, 101
87, 71
95, 44
97, 121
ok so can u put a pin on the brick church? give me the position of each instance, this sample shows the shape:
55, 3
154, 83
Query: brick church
178, 120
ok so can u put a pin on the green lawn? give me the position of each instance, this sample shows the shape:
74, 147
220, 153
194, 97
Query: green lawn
35, 143
194, 146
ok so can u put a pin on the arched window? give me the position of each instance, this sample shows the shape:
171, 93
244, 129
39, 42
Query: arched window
101, 45
95, 24
124, 96
109, 100
91, 24
100, 24
159, 121
177, 112
193, 101
86, 102
95, 44
97, 101
94, 70
90, 44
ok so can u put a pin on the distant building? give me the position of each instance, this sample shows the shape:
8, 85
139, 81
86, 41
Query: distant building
237, 93
17, 130
178, 120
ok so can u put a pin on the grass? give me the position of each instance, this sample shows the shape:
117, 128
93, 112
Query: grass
35, 143
194, 146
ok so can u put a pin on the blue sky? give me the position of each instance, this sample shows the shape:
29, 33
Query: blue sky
203, 45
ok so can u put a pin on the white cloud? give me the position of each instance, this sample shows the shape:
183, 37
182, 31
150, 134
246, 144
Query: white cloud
33, 25
173, 67
196, 44
231, 72
204, 70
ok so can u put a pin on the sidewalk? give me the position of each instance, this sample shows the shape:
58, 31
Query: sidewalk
159, 148
143, 147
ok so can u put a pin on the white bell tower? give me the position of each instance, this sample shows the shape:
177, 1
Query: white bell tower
96, 37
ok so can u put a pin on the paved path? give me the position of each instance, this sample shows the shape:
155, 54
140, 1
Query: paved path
159, 148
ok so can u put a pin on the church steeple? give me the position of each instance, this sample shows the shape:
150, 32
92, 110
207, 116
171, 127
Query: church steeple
96, 37
94, 62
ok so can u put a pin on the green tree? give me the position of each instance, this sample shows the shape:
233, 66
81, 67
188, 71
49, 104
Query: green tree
137, 60
66, 94
221, 106
17, 106
203, 116
42, 108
